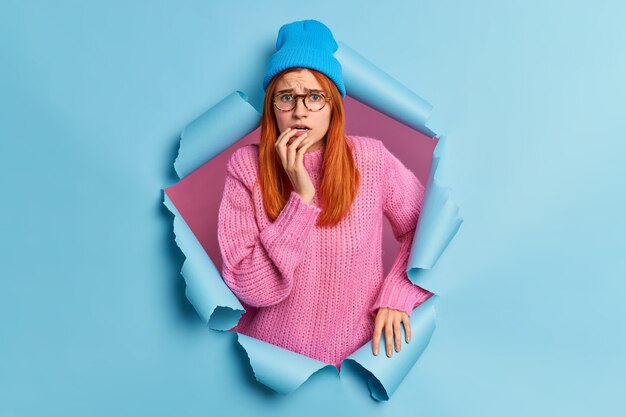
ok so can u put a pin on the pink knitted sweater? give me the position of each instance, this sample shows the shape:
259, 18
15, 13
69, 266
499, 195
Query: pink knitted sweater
315, 290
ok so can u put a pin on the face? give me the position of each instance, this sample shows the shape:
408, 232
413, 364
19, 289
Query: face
300, 82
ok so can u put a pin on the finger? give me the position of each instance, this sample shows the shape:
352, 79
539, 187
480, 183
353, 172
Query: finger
397, 334
378, 328
407, 327
389, 337
298, 142
286, 149
281, 146
376, 341
293, 136
292, 149
283, 138
306, 144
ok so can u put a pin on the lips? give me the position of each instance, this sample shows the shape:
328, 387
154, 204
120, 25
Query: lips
301, 127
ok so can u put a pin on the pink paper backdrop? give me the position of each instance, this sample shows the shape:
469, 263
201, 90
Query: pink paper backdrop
197, 196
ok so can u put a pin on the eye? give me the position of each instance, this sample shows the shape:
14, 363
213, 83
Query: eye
315, 97
286, 98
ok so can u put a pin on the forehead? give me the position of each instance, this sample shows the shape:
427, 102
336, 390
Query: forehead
299, 81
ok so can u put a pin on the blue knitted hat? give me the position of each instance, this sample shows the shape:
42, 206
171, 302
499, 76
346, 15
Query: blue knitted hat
308, 44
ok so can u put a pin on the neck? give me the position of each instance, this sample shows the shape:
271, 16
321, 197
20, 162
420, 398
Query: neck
317, 146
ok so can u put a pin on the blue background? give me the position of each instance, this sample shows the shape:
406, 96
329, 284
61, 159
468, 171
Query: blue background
93, 96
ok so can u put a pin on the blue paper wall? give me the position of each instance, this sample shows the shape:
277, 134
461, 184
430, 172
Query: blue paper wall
94, 95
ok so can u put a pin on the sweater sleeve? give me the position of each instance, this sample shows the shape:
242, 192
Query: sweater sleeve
258, 265
403, 195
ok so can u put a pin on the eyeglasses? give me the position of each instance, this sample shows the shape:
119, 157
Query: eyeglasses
312, 101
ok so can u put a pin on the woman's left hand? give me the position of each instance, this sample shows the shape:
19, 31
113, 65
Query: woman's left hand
389, 320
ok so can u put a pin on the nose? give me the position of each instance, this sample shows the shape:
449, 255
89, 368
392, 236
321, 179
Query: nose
300, 109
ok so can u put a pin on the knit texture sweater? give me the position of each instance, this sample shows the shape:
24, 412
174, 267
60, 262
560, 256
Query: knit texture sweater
316, 290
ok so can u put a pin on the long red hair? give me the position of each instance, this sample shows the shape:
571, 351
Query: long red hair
340, 176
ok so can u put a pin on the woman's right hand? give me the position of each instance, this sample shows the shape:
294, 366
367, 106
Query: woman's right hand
291, 149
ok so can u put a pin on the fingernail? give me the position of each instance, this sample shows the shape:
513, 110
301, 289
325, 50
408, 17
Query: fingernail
389, 353
375, 351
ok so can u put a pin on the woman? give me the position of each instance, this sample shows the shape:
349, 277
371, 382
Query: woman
300, 222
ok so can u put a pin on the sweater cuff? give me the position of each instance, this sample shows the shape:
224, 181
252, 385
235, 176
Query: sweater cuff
399, 294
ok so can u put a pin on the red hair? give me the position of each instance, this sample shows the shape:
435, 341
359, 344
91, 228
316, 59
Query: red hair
340, 176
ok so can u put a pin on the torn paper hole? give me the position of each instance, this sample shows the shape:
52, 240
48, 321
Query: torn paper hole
207, 143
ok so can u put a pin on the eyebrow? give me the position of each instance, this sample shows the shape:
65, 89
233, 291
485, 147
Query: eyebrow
306, 89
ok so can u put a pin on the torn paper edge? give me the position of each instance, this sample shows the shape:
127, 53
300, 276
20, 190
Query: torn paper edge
214, 131
205, 289
386, 95
387, 373
438, 223
261, 356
